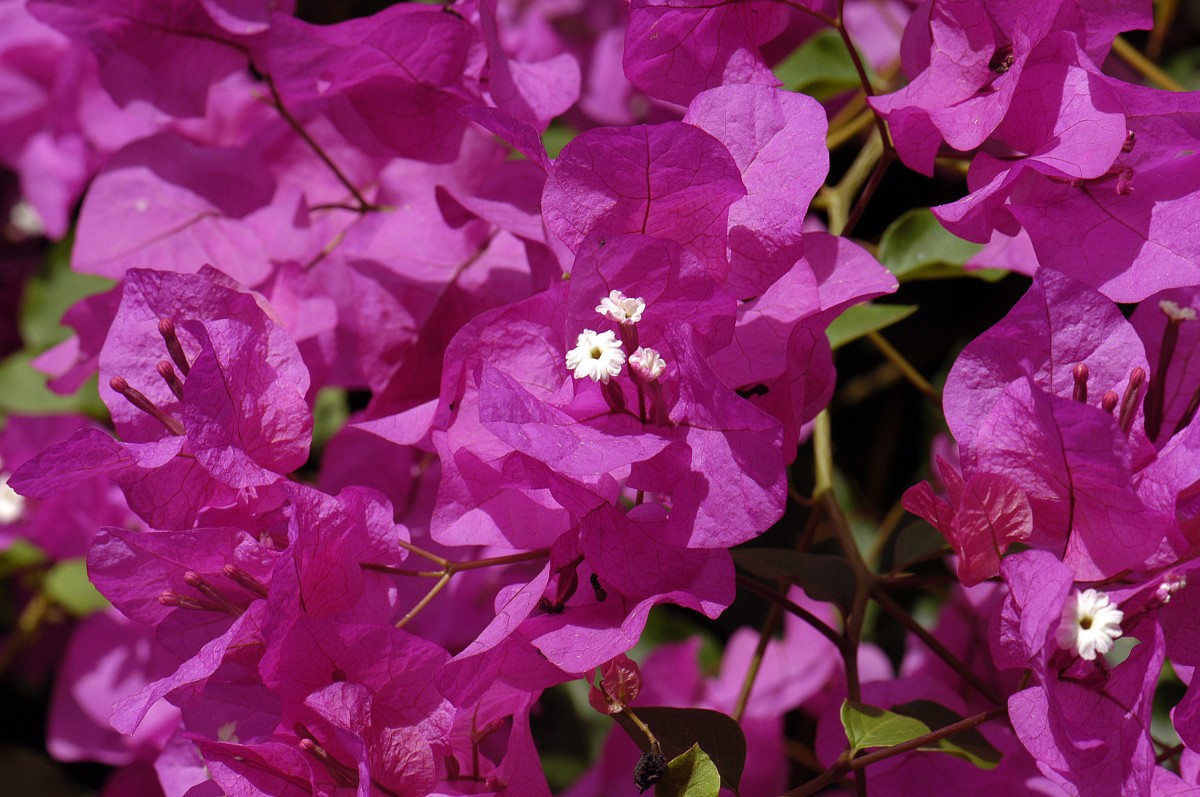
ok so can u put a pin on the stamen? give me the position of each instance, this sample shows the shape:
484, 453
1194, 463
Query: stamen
244, 580
168, 374
139, 400
341, 773
1176, 315
197, 582
1129, 401
174, 600
1109, 401
1130, 141
166, 328
1080, 374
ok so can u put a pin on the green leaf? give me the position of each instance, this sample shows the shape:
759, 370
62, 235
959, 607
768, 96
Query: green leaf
25, 391
20, 555
677, 729
969, 745
556, 137
856, 321
330, 412
917, 246
870, 726
67, 585
50, 293
821, 67
917, 542
691, 774
823, 577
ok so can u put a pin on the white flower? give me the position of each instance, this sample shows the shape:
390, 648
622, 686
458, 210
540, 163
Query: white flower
648, 363
12, 505
1089, 625
596, 355
620, 308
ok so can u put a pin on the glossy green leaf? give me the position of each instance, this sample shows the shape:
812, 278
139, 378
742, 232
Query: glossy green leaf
856, 321
691, 774
823, 577
917, 246
870, 726
677, 729
820, 68
67, 585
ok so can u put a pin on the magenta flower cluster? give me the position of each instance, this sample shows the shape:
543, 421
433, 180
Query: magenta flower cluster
580, 380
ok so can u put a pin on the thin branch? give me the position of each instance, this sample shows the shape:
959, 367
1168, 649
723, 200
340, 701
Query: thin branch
941, 651
750, 585
1144, 66
1164, 15
363, 205
429, 596
906, 368
842, 766
764, 639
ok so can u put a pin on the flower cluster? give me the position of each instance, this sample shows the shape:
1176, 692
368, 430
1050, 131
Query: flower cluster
573, 384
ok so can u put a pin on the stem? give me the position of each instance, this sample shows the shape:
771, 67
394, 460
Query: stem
438, 587
864, 198
837, 199
906, 368
1164, 15
1144, 66
644, 728
886, 529
363, 205
528, 556
419, 551
843, 766
941, 651
27, 625
750, 585
764, 639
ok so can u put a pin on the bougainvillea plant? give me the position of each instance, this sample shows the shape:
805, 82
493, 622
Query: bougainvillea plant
440, 399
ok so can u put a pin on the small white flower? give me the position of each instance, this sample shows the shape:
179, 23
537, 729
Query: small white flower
1171, 583
648, 363
597, 355
26, 221
1090, 623
12, 505
1176, 313
620, 308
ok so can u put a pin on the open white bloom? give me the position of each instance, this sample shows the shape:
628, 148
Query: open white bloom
1090, 623
648, 363
597, 355
12, 505
620, 308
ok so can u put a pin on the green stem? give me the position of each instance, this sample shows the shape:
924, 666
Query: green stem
906, 368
